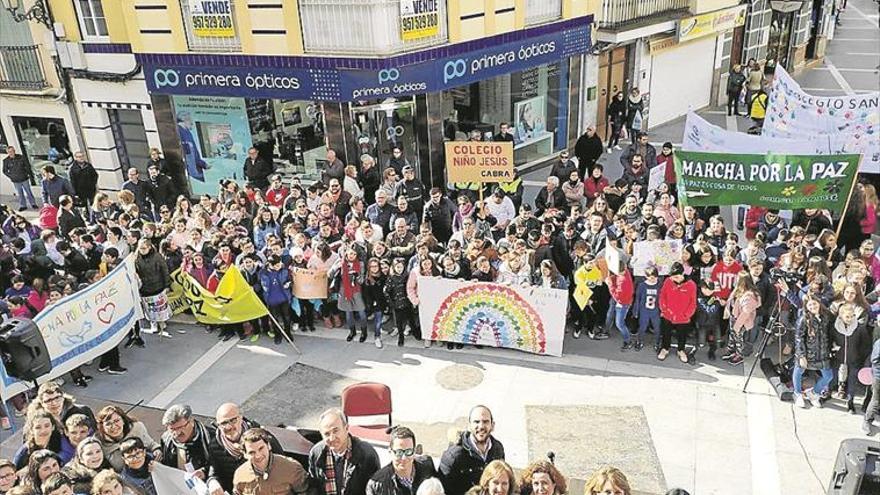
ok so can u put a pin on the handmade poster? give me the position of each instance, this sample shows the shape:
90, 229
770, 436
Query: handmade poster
659, 254
479, 161
310, 284
700, 135
214, 136
83, 326
784, 182
851, 124
527, 319
156, 308
656, 177
170, 481
234, 301
612, 259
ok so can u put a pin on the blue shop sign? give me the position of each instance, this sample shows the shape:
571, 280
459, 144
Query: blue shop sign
336, 80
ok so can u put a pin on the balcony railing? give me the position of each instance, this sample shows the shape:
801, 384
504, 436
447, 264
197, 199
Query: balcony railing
617, 13
21, 67
541, 11
366, 27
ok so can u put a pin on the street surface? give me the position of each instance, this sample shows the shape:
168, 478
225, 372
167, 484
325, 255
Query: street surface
664, 423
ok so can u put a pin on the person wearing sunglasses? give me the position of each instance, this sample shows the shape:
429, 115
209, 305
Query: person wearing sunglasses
226, 448
406, 471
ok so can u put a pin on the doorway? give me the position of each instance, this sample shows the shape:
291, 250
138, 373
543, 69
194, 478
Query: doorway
612, 78
131, 139
815, 18
379, 128
44, 141
779, 38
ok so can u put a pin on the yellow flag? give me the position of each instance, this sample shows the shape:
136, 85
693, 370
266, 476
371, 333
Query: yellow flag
234, 301
582, 296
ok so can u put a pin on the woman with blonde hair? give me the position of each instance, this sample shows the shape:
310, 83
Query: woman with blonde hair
607, 480
542, 478
497, 479
107, 482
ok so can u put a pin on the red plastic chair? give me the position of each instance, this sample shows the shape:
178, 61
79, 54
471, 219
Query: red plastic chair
368, 399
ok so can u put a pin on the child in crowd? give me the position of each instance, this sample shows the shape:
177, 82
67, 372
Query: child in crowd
645, 308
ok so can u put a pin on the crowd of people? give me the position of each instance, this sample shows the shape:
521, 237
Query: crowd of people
376, 234
69, 450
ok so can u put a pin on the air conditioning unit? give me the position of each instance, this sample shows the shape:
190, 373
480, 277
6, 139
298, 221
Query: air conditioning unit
71, 55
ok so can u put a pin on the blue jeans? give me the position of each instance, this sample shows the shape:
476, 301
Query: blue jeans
23, 189
651, 318
377, 321
617, 314
797, 377
361, 318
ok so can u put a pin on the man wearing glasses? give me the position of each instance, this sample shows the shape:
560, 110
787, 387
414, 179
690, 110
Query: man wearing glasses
185, 441
226, 448
407, 471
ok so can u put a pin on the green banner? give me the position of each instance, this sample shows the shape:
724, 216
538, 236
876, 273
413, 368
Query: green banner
784, 182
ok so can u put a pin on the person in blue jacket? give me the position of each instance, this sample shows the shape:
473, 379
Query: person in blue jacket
275, 280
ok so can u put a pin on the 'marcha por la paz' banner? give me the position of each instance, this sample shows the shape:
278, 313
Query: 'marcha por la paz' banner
783, 182
234, 301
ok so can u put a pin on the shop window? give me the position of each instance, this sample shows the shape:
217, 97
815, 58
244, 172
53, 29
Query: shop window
541, 11
214, 31
216, 132
380, 127
91, 19
372, 27
44, 141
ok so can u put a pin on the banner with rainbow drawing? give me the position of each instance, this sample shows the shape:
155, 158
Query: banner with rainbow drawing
529, 319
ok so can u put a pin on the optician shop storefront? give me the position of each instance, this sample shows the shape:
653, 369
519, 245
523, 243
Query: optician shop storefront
211, 108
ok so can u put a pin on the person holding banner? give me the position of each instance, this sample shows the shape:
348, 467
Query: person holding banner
276, 284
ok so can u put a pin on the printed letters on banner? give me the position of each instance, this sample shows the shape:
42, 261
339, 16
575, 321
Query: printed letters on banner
84, 325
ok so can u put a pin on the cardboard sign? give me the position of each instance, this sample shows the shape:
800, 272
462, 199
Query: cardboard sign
479, 161
310, 284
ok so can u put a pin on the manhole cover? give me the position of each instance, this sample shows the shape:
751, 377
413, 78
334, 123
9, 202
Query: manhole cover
459, 377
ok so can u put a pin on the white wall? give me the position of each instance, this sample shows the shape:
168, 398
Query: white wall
681, 78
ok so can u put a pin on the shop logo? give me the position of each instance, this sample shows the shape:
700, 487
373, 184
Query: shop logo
165, 77
388, 75
392, 132
453, 69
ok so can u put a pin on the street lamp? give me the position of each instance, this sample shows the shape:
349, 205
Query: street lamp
38, 12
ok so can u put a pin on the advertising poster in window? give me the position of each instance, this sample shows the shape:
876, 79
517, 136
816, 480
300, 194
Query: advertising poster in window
214, 139
211, 18
419, 19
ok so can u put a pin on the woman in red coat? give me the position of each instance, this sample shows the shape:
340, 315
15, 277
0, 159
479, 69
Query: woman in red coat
621, 288
678, 302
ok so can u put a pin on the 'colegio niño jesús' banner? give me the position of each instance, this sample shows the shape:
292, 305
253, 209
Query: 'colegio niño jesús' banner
783, 182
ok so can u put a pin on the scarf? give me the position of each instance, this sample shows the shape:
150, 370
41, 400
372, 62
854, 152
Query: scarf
234, 449
199, 435
330, 487
350, 286
844, 329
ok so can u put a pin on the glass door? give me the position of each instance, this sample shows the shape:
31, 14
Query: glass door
379, 128
779, 38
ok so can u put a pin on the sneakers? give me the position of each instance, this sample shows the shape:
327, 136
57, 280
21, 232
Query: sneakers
450, 346
427, 343
617, 147
150, 330
271, 334
165, 334
799, 401
866, 428
103, 369
378, 342
610, 151
727, 355
117, 370
129, 342
254, 338
735, 359
626, 346
227, 337
81, 382
683, 357
814, 399
577, 333
639, 345
662, 354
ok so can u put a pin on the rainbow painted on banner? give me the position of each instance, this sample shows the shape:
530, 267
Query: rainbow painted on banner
481, 309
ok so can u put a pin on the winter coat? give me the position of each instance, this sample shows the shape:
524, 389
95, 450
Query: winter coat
440, 216
616, 113
743, 310
374, 294
461, 465
621, 288
546, 200
111, 447
634, 107
395, 291
588, 149
855, 348
67, 221
276, 286
708, 313
385, 482
164, 192
223, 464
363, 464
84, 179
735, 82
257, 172
196, 449
17, 168
593, 187
54, 188
153, 272
284, 476
678, 302
815, 346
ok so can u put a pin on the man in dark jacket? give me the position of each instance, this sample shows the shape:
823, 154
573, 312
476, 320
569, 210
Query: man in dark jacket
588, 149
440, 213
185, 441
83, 178
143, 193
412, 189
406, 471
54, 186
341, 464
335, 168
68, 218
462, 464
164, 192
563, 168
641, 147
550, 196
379, 213
225, 449
19, 172
257, 170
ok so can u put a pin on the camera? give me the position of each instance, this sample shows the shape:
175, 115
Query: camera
792, 279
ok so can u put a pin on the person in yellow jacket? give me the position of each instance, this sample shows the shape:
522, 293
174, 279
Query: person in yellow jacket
758, 107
